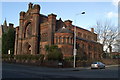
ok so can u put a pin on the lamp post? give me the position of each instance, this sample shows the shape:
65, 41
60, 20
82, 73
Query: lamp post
75, 50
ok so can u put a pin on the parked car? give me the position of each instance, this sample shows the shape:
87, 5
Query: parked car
97, 65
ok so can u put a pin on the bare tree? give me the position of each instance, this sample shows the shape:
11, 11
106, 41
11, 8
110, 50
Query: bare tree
107, 34
117, 45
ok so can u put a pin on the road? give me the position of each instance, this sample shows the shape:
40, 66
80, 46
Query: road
25, 71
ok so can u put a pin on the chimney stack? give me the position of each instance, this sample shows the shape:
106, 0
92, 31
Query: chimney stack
68, 22
92, 30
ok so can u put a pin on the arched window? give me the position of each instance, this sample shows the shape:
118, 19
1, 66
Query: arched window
70, 40
27, 48
28, 30
79, 34
60, 40
67, 40
77, 45
89, 55
83, 46
56, 40
95, 56
64, 40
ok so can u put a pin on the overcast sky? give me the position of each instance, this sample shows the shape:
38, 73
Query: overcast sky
95, 11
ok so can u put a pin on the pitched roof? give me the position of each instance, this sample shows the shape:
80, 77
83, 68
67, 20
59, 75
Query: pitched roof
64, 30
79, 38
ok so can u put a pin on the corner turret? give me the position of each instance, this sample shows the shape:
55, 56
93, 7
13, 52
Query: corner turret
22, 13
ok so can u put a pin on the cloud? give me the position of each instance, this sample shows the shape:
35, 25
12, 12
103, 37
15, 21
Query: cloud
112, 15
115, 2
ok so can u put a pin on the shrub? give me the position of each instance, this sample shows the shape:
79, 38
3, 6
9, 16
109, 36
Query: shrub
29, 57
54, 53
69, 58
7, 56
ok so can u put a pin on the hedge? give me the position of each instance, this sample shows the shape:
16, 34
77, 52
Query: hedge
23, 57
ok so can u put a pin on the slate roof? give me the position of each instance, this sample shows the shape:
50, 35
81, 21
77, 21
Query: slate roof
42, 15
64, 30
87, 40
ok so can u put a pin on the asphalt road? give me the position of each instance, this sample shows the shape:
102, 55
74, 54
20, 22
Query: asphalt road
25, 71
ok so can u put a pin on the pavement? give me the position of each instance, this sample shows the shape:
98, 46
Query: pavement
83, 68
112, 65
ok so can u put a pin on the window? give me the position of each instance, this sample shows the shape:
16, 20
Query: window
70, 40
77, 45
44, 37
84, 36
56, 40
64, 40
28, 31
83, 46
79, 34
95, 48
67, 40
88, 37
61, 40
94, 55
89, 47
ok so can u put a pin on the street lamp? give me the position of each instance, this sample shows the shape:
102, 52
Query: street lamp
75, 50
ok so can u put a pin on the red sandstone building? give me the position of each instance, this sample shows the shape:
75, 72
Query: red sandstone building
37, 30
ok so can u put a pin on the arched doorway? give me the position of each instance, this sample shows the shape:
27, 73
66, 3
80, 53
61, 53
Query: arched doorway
27, 48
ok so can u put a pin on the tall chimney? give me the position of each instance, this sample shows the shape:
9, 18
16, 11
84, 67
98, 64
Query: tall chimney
92, 30
68, 22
